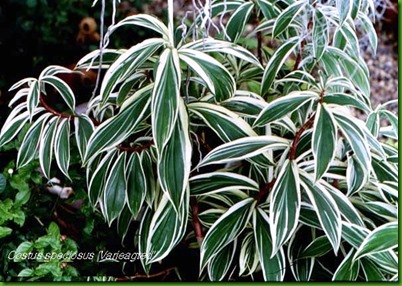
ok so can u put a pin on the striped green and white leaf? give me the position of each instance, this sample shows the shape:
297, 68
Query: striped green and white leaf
302, 267
62, 146
282, 106
383, 238
345, 99
166, 229
123, 223
268, 9
356, 176
219, 265
83, 128
248, 257
324, 140
320, 34
136, 184
276, 62
344, 9
238, 20
243, 148
215, 76
143, 234
33, 97
114, 195
119, 127
371, 271
62, 88
165, 97
216, 182
326, 209
287, 16
19, 95
13, 126
317, 248
345, 39
18, 84
174, 162
127, 64
348, 270
53, 70
92, 59
30, 143
98, 178
273, 267
284, 206
245, 105
368, 27
46, 146
226, 229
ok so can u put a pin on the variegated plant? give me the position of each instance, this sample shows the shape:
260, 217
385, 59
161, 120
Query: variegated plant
248, 153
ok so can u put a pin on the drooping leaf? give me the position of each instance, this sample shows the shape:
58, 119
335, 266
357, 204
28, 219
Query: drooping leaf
114, 195
62, 146
136, 184
248, 257
287, 16
83, 128
317, 248
273, 267
344, 8
218, 266
62, 88
33, 97
284, 205
324, 140
348, 270
46, 146
238, 21
320, 34
226, 229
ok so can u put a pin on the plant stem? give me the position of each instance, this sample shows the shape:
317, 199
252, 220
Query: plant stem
51, 110
136, 148
196, 221
264, 190
299, 133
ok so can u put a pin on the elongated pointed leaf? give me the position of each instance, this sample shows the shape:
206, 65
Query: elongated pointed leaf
284, 206
326, 209
11, 128
30, 143
344, 9
165, 97
275, 63
212, 183
62, 146
97, 180
123, 222
268, 9
273, 268
127, 63
114, 195
286, 17
136, 184
175, 160
226, 229
219, 265
317, 248
216, 77
380, 239
83, 128
371, 271
356, 177
347, 100
348, 270
62, 88
238, 21
284, 105
166, 229
33, 97
143, 233
324, 140
320, 33
243, 148
46, 146
248, 258
116, 129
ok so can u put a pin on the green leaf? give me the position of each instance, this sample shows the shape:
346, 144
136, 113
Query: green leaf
320, 34
284, 206
143, 234
23, 248
215, 76
268, 9
273, 267
31, 141
245, 105
165, 97
174, 163
3, 183
344, 8
345, 99
276, 62
284, 105
13, 125
27, 272
62, 146
356, 138
326, 209
115, 130
123, 222
243, 148
4, 231
53, 230
324, 140
356, 177
166, 229
383, 238
84, 128
219, 265
136, 184
62, 88
46, 146
114, 196
368, 27
127, 64
97, 180
216, 182
287, 16
238, 20
371, 271
226, 229
248, 257
348, 270
91, 60
33, 97
317, 248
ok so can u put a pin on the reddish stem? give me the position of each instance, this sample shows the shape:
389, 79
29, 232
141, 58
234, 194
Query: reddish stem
299, 133
196, 221
136, 148
51, 110
264, 190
